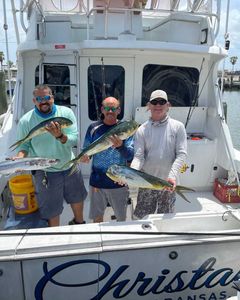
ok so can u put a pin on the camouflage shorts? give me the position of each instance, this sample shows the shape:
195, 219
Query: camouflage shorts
152, 201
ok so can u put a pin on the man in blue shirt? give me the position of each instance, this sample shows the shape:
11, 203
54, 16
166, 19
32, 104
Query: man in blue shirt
103, 190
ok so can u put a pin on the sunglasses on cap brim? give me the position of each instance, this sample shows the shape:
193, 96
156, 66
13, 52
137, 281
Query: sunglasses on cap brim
160, 101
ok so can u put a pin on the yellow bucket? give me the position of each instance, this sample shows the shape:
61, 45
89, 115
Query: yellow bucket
23, 194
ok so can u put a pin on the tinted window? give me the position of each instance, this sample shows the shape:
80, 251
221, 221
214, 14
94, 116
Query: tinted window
180, 83
104, 81
58, 79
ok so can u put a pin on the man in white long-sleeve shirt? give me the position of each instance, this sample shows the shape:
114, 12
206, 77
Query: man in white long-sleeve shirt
160, 148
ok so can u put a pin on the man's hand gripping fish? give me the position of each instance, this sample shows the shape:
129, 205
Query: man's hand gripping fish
123, 130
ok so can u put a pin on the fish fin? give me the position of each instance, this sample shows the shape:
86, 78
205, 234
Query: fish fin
181, 195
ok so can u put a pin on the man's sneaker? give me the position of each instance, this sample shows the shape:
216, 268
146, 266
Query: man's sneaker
73, 222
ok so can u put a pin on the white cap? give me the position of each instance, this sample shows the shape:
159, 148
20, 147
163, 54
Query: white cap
158, 94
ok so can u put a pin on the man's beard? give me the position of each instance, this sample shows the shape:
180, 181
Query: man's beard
47, 110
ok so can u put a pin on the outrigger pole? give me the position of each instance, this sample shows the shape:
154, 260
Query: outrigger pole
226, 45
15, 22
231, 155
5, 27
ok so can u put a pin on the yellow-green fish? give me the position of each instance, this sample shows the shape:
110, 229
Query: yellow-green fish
41, 129
123, 130
138, 179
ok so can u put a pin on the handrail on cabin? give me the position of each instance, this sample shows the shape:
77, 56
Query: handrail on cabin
107, 10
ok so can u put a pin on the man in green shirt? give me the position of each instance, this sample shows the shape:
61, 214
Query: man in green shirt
54, 184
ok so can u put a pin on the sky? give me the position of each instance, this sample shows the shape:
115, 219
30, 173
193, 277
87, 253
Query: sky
233, 30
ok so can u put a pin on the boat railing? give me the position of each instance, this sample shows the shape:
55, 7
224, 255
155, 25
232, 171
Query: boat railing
85, 6
160, 10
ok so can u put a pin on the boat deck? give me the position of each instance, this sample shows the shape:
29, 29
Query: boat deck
200, 202
204, 202
204, 214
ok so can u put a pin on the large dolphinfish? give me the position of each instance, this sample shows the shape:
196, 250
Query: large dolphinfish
138, 179
41, 129
123, 130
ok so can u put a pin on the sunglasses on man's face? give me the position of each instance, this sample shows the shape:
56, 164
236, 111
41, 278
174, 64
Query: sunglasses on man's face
158, 101
44, 98
108, 108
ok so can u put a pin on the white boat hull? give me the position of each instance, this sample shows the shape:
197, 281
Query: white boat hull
141, 262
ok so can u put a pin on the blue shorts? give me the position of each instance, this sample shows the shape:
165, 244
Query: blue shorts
52, 189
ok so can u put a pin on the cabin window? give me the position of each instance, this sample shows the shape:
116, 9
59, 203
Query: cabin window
180, 83
58, 79
104, 81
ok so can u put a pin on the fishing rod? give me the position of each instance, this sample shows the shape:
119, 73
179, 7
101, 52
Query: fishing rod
94, 91
195, 101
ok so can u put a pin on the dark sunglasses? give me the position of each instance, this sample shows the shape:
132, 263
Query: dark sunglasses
158, 101
108, 108
44, 98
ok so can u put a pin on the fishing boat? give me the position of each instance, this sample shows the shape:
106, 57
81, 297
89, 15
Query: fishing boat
86, 50
10, 80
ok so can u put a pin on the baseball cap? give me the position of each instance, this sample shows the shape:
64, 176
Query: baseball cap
158, 94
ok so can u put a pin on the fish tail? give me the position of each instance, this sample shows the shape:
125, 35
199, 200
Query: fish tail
75, 162
74, 169
15, 145
184, 188
67, 164
181, 195
180, 188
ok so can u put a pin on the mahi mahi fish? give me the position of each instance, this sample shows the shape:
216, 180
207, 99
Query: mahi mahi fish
26, 164
139, 179
41, 129
123, 130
